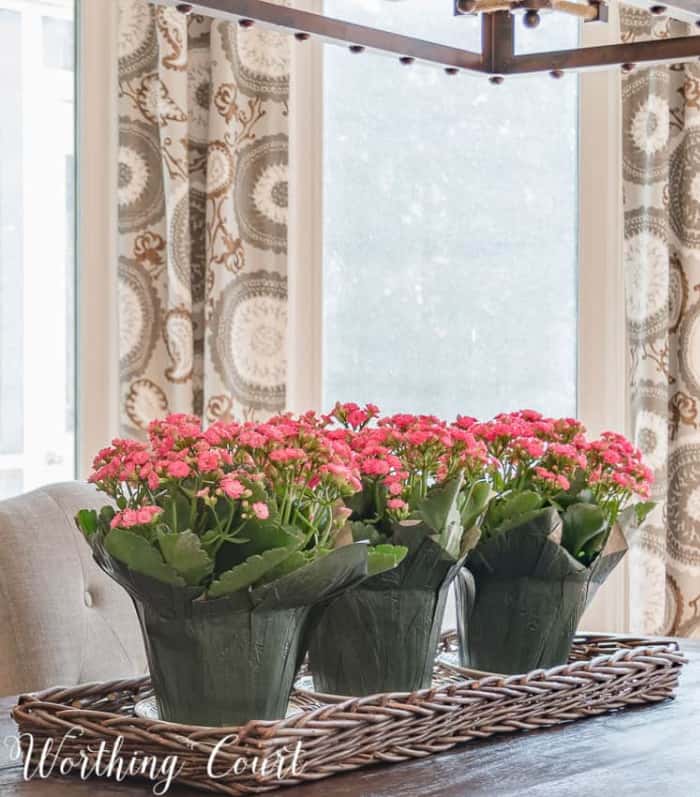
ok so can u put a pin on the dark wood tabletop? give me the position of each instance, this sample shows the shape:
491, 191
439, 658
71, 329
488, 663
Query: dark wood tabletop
653, 750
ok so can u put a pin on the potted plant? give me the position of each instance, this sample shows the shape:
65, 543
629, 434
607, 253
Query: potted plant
552, 533
423, 490
225, 539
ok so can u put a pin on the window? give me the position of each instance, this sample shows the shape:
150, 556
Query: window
450, 225
37, 244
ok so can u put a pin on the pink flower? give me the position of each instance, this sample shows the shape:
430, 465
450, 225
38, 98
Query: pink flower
375, 467
261, 510
286, 454
178, 469
207, 461
396, 503
135, 517
395, 488
232, 487
148, 513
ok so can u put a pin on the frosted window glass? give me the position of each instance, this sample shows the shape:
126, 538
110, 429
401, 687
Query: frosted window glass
37, 244
450, 229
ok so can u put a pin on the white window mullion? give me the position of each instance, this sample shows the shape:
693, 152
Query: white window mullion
602, 348
305, 262
98, 344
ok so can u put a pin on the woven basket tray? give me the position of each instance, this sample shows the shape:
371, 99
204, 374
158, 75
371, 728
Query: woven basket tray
605, 673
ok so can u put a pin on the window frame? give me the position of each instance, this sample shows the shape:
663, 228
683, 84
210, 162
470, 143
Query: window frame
97, 335
601, 363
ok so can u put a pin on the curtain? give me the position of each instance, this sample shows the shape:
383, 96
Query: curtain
661, 190
202, 210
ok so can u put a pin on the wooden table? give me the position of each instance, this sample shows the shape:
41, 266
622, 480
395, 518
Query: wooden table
637, 752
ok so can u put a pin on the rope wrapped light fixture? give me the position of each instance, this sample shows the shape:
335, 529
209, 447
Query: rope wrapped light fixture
497, 58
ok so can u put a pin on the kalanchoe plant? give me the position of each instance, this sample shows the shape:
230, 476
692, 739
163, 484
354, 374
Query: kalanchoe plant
421, 482
225, 509
414, 469
552, 533
226, 538
536, 462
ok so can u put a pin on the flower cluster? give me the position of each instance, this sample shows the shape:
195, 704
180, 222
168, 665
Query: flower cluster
310, 473
549, 456
287, 469
406, 455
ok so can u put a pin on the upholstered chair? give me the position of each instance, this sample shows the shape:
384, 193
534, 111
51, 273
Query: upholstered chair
62, 620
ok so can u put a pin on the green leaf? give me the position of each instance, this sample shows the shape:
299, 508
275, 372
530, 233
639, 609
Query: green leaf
176, 512
256, 537
86, 521
248, 573
475, 502
633, 516
184, 553
581, 523
262, 535
436, 509
593, 547
326, 576
294, 562
511, 507
365, 532
362, 503
106, 515
384, 557
140, 556
642, 510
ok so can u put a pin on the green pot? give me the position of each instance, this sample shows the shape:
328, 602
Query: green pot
221, 665
383, 635
231, 659
521, 597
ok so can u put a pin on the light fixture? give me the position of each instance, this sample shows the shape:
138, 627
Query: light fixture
497, 57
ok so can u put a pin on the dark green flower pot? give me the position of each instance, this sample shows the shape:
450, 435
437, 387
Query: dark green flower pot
383, 635
232, 659
521, 597
219, 665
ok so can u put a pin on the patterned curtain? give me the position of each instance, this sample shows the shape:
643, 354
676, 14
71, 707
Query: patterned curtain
202, 216
661, 172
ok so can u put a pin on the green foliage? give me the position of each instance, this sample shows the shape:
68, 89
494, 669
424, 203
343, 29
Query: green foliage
137, 553
255, 537
248, 573
437, 515
87, 522
366, 532
635, 515
509, 507
185, 554
176, 512
474, 503
297, 560
584, 530
436, 510
385, 557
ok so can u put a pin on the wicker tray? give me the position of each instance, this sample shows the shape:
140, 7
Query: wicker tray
332, 735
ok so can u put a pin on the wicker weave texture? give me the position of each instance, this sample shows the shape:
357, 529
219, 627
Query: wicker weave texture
333, 735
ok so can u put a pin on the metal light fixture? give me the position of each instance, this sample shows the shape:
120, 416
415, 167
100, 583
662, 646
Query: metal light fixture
497, 57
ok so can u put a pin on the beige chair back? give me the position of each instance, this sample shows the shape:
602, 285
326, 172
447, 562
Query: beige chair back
62, 620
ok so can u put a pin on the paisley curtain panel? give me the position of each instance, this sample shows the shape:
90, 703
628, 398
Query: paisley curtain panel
661, 172
202, 216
